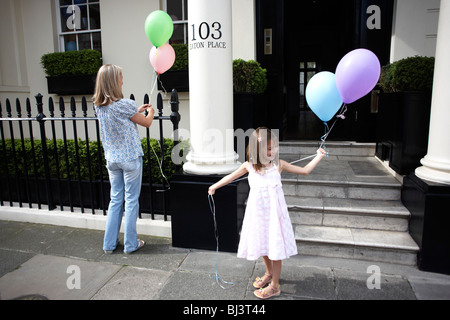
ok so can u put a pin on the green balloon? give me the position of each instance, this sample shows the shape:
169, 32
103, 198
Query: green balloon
158, 27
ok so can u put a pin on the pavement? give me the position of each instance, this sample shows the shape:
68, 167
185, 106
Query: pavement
41, 261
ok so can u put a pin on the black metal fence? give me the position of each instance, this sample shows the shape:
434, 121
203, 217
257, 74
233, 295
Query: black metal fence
56, 171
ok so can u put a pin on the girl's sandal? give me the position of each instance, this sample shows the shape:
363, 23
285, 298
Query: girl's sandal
268, 292
260, 282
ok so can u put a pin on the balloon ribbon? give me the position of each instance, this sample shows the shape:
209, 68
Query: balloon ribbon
220, 281
341, 115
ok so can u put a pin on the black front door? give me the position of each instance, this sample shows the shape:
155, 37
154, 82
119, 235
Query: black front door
310, 36
318, 33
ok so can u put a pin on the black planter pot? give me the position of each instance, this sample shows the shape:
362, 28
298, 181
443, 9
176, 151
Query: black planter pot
428, 203
192, 219
71, 85
178, 80
402, 129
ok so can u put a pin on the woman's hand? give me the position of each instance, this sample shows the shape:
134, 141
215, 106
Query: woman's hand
140, 119
145, 107
211, 190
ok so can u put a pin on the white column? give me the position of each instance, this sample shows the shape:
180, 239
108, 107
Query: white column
436, 164
210, 88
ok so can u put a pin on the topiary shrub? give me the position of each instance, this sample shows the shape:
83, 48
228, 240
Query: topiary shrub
181, 57
18, 167
249, 77
409, 74
83, 62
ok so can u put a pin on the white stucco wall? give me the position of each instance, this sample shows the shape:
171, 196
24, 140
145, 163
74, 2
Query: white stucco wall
28, 29
415, 28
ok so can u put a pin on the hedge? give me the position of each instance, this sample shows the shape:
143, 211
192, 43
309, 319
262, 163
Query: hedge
72, 62
169, 166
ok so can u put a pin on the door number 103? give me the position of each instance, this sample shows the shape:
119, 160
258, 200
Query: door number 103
205, 31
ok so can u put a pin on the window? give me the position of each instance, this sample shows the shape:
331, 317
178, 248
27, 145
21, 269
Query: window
79, 25
307, 71
178, 11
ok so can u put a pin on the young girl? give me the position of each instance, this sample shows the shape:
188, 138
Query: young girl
123, 152
267, 230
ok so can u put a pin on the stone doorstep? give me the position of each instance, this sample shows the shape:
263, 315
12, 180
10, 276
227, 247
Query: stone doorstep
347, 148
396, 247
342, 189
363, 214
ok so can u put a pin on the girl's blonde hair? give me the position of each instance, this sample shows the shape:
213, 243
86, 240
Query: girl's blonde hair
260, 140
107, 86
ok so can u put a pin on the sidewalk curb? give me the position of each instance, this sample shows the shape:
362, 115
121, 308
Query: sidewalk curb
157, 228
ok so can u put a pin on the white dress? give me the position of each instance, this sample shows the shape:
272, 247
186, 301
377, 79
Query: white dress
267, 228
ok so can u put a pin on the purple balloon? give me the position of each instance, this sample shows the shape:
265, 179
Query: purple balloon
357, 74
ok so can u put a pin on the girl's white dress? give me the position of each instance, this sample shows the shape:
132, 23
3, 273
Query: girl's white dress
267, 228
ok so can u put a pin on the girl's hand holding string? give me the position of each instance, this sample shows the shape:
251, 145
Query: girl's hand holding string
321, 152
211, 191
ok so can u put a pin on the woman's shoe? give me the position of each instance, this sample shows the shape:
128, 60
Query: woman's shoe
141, 244
111, 251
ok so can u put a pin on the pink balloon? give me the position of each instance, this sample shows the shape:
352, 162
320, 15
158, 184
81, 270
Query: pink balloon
357, 74
162, 58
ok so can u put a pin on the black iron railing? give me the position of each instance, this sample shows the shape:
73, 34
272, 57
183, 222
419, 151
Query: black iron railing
59, 171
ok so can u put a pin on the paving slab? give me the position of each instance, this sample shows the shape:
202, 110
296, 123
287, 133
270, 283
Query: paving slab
351, 285
56, 278
300, 282
430, 289
11, 259
132, 283
193, 285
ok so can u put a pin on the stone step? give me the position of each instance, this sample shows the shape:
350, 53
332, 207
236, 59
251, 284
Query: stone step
344, 189
349, 178
351, 213
351, 243
335, 148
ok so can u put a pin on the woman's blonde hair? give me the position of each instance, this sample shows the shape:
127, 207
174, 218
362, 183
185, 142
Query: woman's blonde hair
107, 86
259, 141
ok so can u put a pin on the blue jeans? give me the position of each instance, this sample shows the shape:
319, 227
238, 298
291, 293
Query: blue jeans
125, 179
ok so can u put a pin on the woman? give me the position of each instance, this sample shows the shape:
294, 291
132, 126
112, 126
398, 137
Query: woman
118, 118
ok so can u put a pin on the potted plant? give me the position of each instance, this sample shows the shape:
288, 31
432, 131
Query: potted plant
250, 104
404, 112
177, 77
71, 72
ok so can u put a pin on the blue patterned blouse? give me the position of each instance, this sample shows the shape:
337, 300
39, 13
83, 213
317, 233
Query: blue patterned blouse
119, 135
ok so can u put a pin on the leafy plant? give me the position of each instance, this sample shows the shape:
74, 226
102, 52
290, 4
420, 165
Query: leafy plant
181, 57
249, 77
72, 62
25, 159
409, 74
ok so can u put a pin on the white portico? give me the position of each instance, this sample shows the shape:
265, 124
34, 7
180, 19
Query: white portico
211, 88
436, 164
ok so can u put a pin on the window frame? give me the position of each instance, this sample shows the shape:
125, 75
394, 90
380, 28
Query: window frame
77, 32
184, 21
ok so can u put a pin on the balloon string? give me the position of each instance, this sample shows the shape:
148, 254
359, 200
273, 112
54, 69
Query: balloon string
341, 115
153, 86
220, 281
160, 82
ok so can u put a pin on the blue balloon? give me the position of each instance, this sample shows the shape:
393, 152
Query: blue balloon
323, 96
